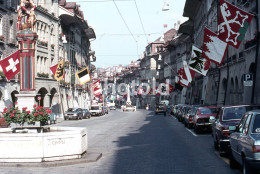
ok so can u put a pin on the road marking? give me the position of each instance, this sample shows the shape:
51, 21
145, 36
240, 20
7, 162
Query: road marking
226, 160
191, 132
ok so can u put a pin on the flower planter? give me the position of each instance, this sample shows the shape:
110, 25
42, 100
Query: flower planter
36, 124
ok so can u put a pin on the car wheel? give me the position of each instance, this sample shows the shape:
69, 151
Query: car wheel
232, 161
65, 118
246, 168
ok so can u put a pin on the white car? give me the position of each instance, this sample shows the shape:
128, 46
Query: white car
95, 110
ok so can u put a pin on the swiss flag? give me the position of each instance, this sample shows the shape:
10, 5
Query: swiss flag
233, 23
11, 65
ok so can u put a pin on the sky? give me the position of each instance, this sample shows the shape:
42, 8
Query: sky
119, 41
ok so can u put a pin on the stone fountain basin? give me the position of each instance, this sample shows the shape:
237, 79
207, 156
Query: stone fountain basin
61, 143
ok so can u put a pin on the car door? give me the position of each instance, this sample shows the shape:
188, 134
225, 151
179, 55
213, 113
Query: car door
243, 145
216, 128
234, 138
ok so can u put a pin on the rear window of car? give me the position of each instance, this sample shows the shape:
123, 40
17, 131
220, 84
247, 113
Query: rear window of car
94, 108
234, 113
194, 109
72, 109
256, 126
209, 111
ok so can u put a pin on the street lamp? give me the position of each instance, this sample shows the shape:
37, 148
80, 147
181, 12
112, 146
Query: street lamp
166, 5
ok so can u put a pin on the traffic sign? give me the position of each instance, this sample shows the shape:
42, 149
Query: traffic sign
248, 79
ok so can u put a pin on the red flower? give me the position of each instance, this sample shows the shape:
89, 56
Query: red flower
24, 108
16, 103
28, 112
10, 106
11, 115
5, 109
41, 113
35, 114
18, 116
34, 106
14, 111
38, 108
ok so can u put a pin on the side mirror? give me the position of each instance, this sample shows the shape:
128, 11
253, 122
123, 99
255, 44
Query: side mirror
212, 119
232, 128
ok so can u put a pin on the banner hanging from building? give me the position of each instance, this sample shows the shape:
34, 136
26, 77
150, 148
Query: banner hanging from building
96, 88
83, 76
214, 49
58, 70
233, 23
11, 65
198, 63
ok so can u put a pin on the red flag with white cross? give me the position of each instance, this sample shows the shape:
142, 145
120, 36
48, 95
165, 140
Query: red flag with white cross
233, 23
11, 65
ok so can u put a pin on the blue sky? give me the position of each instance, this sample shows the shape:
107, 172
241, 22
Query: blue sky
114, 44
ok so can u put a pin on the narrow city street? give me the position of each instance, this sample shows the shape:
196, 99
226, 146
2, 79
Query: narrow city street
142, 143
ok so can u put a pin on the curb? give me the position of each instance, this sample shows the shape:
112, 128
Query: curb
86, 158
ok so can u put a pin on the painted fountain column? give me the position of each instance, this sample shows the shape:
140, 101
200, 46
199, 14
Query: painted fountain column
26, 37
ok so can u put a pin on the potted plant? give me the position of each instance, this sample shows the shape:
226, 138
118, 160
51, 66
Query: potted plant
16, 118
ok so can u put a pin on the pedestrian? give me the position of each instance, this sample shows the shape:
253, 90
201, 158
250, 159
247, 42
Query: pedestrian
147, 107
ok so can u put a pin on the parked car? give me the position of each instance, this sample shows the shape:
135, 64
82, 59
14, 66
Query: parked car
73, 113
227, 116
105, 108
245, 143
95, 110
188, 119
112, 108
185, 111
160, 108
179, 111
86, 114
201, 119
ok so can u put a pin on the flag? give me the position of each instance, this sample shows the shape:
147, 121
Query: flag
83, 76
178, 86
96, 88
233, 23
184, 75
11, 65
197, 63
58, 70
214, 49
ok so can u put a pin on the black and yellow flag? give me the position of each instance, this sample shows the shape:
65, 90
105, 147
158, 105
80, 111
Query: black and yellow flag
83, 76
58, 70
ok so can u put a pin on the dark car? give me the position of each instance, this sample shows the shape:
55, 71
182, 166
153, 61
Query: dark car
160, 108
179, 111
185, 111
227, 116
86, 114
73, 113
105, 109
245, 143
201, 119
188, 119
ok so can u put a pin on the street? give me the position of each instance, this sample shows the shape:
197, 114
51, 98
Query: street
142, 143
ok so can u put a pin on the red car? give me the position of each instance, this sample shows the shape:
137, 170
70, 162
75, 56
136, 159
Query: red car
201, 119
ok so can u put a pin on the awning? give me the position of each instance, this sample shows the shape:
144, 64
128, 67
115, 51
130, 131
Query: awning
191, 8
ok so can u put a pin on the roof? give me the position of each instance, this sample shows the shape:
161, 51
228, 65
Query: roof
168, 35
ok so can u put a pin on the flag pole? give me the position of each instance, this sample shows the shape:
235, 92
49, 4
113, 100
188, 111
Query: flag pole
257, 52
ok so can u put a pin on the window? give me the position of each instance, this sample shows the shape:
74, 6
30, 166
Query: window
256, 127
11, 36
241, 124
246, 125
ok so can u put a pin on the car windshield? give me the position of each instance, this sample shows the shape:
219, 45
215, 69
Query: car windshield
194, 109
72, 109
256, 126
94, 108
209, 110
234, 113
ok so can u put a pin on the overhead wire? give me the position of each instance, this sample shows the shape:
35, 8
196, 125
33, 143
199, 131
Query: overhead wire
124, 21
141, 21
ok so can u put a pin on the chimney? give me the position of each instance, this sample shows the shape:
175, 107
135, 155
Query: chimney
165, 30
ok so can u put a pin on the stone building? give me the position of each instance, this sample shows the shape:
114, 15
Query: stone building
223, 84
74, 46
8, 45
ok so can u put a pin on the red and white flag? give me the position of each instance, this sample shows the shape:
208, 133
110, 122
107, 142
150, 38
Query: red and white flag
233, 23
184, 75
214, 49
96, 88
11, 65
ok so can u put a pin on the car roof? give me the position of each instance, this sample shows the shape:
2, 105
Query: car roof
209, 107
232, 106
254, 111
